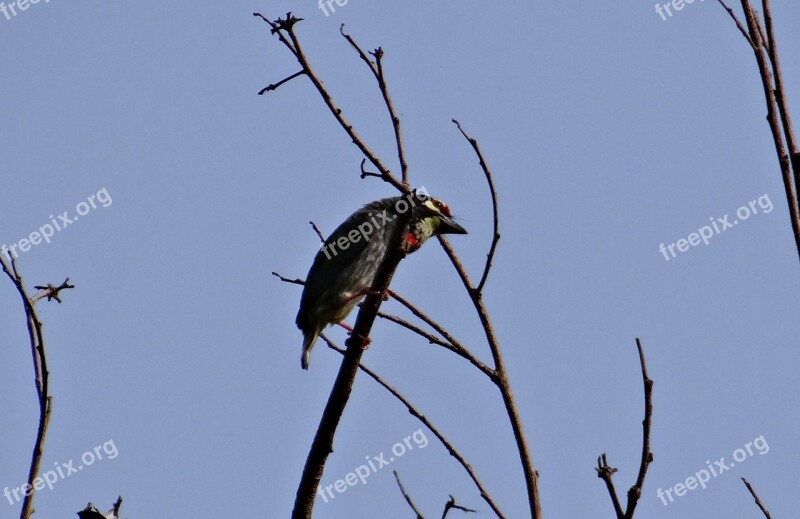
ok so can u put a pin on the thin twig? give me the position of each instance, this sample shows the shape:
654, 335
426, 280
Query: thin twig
781, 100
501, 381
493, 193
275, 86
738, 23
316, 230
376, 67
432, 339
295, 281
41, 373
647, 456
281, 26
406, 496
451, 505
365, 173
753, 26
605, 472
758, 501
425, 421
50, 291
427, 319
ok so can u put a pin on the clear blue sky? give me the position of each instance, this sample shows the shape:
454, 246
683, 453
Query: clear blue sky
609, 131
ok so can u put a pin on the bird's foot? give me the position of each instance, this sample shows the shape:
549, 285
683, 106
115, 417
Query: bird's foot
367, 341
367, 291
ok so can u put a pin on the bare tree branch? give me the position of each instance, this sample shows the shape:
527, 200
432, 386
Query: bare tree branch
316, 230
501, 381
406, 496
41, 373
281, 26
284, 28
764, 48
647, 456
295, 281
738, 24
432, 339
50, 291
605, 471
451, 505
422, 418
377, 70
758, 501
493, 193
275, 86
781, 100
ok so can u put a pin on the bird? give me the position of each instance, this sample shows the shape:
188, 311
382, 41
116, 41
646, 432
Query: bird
345, 266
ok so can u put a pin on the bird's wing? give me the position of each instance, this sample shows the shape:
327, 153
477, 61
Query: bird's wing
334, 262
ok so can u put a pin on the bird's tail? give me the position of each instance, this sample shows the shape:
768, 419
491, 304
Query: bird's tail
309, 338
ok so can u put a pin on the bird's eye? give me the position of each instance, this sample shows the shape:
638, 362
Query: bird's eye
442, 207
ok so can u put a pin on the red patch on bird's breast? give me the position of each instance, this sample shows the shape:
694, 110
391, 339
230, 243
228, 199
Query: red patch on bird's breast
411, 240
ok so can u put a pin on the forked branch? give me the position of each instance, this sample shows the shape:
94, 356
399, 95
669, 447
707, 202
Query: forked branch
432, 428
41, 373
605, 471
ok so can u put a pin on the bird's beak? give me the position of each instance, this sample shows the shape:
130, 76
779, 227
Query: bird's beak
449, 226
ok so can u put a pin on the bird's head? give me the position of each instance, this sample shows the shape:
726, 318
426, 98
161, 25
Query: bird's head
430, 218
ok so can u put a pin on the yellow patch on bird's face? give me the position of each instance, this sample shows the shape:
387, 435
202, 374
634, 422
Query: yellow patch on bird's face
437, 206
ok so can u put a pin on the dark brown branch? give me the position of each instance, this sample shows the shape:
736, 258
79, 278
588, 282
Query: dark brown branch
275, 86
738, 23
758, 501
376, 67
432, 339
605, 472
316, 230
322, 445
281, 26
50, 291
406, 496
501, 381
427, 320
781, 101
295, 281
647, 456
493, 193
422, 418
786, 162
365, 173
451, 505
769, 93
41, 373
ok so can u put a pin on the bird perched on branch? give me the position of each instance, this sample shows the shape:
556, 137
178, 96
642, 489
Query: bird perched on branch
345, 267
